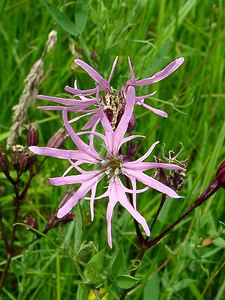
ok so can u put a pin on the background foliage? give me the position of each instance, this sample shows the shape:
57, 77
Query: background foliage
74, 260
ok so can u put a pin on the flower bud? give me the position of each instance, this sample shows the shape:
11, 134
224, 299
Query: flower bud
31, 222
4, 163
23, 164
32, 135
17, 155
220, 175
57, 139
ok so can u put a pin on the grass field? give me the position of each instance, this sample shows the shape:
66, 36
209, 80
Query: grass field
73, 261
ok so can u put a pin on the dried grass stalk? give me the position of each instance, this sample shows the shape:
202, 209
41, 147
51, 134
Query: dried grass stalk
30, 91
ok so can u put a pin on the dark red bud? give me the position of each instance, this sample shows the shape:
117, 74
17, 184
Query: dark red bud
32, 135
30, 221
4, 163
17, 156
220, 175
57, 139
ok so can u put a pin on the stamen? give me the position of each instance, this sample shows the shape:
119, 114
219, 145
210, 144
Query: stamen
113, 104
112, 166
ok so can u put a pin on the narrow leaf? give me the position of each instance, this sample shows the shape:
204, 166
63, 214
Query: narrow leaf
126, 281
60, 18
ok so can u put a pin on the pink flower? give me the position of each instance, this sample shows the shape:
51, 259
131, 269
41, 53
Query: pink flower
113, 166
112, 102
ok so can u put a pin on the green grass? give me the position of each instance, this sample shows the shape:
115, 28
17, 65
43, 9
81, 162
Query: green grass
151, 33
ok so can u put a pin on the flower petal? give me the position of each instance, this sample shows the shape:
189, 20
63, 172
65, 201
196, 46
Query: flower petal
147, 153
141, 98
94, 120
109, 212
131, 137
158, 112
66, 101
123, 124
93, 193
143, 166
80, 193
134, 187
169, 69
153, 183
79, 92
103, 84
58, 153
78, 142
122, 198
73, 179
131, 70
113, 68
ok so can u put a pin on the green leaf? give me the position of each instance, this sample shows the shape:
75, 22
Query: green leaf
82, 292
151, 290
60, 18
93, 269
78, 229
118, 264
4, 135
126, 281
219, 242
81, 15
182, 284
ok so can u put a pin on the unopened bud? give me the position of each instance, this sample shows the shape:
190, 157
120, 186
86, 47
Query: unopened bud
32, 135
57, 139
20, 158
17, 154
4, 163
220, 175
31, 222
23, 165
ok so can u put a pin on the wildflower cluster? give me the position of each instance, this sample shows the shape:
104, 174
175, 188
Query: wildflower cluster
112, 111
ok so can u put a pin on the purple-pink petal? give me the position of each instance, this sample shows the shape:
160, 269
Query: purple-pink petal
131, 70
64, 101
79, 92
123, 124
92, 199
73, 179
122, 198
143, 166
146, 155
130, 138
113, 69
151, 182
78, 142
93, 121
103, 84
109, 212
80, 193
140, 99
169, 69
58, 153
158, 112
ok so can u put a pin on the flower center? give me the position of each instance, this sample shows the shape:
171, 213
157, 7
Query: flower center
112, 166
113, 105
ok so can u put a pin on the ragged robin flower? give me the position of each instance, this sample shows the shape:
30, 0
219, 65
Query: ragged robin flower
111, 100
113, 166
